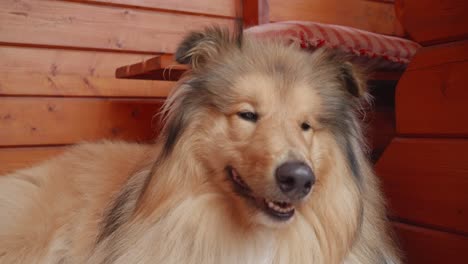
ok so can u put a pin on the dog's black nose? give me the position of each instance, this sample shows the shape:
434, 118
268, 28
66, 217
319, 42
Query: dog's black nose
295, 179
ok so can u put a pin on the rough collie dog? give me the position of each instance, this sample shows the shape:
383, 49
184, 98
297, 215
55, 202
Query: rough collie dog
260, 160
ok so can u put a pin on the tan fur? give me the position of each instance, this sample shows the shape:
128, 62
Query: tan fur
179, 207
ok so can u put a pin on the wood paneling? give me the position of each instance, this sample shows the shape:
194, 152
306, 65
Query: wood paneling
431, 98
74, 85
12, 159
74, 24
36, 121
225, 8
377, 17
434, 21
426, 246
26, 60
426, 181
439, 55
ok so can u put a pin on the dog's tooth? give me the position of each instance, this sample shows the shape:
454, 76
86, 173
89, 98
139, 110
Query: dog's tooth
277, 208
271, 204
281, 207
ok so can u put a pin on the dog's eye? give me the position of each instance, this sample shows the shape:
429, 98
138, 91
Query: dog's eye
249, 116
305, 126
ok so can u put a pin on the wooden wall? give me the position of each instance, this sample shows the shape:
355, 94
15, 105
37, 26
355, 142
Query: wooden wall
424, 170
57, 63
370, 15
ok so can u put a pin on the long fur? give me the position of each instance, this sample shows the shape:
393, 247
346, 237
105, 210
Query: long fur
171, 202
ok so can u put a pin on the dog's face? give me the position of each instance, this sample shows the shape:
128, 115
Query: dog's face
270, 133
267, 120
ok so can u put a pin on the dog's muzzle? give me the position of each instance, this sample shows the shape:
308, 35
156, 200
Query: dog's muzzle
294, 180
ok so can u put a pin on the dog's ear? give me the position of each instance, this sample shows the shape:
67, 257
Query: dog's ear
200, 47
353, 79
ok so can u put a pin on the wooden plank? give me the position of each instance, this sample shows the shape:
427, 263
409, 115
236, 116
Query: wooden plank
432, 98
426, 246
12, 159
54, 62
73, 85
426, 181
226, 8
73, 24
439, 54
164, 67
439, 21
161, 67
255, 12
39, 121
377, 17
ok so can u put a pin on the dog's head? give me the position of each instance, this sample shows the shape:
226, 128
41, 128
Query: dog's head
268, 121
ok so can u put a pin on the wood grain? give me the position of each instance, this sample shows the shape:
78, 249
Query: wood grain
73, 85
432, 98
12, 159
54, 62
40, 121
74, 24
434, 21
377, 17
161, 67
426, 181
226, 8
426, 246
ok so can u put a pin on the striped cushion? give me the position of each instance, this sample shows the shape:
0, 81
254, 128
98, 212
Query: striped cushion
381, 51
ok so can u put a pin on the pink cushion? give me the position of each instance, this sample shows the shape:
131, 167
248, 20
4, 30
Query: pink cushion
381, 51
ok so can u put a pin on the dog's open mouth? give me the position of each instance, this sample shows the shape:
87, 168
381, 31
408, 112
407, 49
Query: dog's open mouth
280, 210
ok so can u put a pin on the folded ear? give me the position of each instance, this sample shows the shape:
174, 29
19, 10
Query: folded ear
354, 79
200, 47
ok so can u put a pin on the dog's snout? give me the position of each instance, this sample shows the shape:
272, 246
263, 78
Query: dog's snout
295, 179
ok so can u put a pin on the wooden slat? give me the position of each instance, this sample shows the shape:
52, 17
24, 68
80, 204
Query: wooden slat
377, 17
38, 121
226, 8
161, 67
25, 60
439, 54
74, 24
255, 12
12, 159
426, 181
73, 85
432, 98
426, 246
434, 21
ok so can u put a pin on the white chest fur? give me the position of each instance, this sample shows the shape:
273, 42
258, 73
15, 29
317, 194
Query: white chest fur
198, 231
